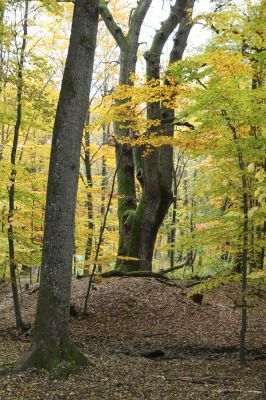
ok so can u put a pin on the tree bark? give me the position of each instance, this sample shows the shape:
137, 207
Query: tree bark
11, 190
242, 348
51, 344
168, 114
128, 45
143, 224
244, 259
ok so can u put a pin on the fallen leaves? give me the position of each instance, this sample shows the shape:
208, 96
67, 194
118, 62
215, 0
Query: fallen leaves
195, 346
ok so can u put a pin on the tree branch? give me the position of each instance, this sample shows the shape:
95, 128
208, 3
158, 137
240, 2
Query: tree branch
111, 24
138, 16
176, 267
182, 34
167, 27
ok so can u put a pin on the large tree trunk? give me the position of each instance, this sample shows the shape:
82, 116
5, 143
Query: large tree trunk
124, 156
51, 344
142, 225
128, 45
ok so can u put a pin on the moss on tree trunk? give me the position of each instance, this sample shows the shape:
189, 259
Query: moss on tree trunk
51, 346
57, 358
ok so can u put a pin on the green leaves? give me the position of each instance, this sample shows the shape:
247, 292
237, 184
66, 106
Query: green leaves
252, 211
225, 102
53, 6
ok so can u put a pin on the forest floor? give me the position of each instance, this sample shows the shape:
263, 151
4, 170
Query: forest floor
146, 340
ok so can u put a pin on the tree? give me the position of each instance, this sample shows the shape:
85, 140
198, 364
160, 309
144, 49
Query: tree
154, 171
168, 114
51, 344
102, 79
11, 190
27, 105
227, 103
128, 44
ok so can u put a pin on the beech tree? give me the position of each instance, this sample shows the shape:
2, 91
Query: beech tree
226, 102
157, 167
154, 173
128, 45
25, 102
51, 344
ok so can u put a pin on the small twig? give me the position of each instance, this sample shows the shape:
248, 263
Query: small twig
100, 239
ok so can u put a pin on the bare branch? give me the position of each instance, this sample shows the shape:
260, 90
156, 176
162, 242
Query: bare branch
111, 24
138, 16
182, 34
167, 27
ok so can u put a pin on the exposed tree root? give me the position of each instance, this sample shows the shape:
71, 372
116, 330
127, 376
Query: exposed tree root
133, 274
58, 360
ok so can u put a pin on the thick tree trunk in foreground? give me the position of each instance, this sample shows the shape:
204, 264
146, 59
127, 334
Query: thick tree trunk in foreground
51, 344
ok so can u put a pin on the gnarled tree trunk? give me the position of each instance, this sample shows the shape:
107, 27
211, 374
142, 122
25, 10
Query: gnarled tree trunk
142, 225
128, 45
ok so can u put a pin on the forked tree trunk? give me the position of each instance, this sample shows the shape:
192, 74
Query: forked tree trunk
128, 45
51, 344
142, 225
